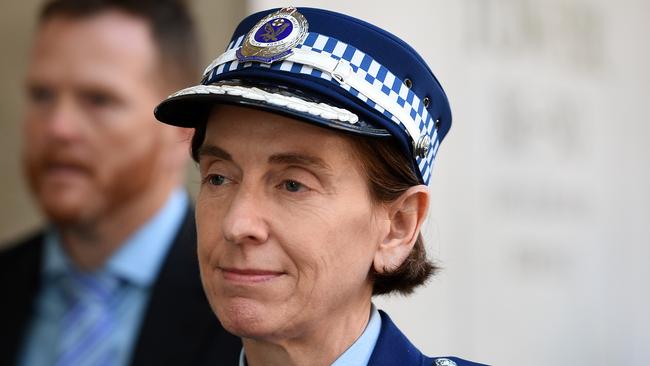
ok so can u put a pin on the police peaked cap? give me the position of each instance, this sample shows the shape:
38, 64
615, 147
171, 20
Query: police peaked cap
327, 69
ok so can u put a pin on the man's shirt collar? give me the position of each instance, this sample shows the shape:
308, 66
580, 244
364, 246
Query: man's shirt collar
139, 259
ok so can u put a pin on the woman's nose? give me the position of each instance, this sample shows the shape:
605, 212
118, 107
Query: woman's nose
244, 222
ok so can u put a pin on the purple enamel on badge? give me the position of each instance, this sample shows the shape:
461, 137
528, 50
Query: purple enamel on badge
274, 30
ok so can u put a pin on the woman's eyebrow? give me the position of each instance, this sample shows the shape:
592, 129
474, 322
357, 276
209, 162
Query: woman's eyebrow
214, 151
299, 159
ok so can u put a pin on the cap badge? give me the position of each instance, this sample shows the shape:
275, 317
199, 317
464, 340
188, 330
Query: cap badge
273, 37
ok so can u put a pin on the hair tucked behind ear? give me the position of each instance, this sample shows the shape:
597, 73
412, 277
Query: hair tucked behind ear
389, 175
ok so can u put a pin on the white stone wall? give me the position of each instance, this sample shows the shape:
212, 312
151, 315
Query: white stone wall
540, 195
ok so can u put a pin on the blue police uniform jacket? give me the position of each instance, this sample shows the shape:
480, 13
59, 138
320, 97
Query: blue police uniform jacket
394, 349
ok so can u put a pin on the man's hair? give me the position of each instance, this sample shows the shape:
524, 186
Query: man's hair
389, 175
172, 28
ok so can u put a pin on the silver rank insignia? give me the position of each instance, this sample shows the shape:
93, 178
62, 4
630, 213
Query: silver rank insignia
273, 37
444, 362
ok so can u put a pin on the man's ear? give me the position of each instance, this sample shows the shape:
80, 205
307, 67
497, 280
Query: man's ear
406, 215
182, 134
177, 144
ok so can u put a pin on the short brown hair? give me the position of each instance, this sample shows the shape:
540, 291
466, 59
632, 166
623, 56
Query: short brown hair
171, 24
389, 175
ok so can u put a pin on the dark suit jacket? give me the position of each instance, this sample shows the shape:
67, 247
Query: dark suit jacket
179, 327
394, 349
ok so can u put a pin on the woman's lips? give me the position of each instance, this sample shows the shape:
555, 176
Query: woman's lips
249, 275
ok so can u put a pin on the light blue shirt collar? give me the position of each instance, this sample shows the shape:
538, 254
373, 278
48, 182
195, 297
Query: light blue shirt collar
139, 259
360, 351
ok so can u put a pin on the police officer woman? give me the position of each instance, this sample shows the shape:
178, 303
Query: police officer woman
315, 134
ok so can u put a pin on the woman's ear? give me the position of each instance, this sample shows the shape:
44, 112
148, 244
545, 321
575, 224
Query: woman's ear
406, 215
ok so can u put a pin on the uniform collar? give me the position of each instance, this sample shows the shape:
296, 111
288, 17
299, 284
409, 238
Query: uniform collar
360, 351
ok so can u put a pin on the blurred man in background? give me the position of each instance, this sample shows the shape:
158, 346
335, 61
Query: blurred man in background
113, 278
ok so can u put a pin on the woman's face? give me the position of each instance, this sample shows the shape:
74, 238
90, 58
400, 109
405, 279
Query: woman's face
287, 231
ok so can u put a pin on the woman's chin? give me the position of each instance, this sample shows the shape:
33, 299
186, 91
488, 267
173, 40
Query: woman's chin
246, 318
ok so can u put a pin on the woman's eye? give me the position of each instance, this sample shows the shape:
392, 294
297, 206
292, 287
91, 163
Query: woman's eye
216, 179
293, 186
